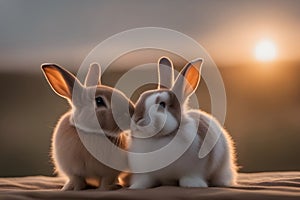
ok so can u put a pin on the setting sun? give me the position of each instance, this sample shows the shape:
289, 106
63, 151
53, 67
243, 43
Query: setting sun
265, 50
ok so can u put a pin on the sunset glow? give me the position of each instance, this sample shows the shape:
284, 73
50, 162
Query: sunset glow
265, 50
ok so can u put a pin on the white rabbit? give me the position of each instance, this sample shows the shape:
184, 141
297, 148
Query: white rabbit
161, 116
92, 101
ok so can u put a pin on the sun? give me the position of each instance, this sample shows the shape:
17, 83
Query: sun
265, 50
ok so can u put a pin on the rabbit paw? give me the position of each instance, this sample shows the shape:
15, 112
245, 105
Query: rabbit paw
74, 183
142, 182
192, 182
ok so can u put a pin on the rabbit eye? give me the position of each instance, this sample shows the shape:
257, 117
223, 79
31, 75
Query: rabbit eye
100, 102
162, 104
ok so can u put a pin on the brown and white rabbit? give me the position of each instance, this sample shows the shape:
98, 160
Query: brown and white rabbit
92, 107
163, 126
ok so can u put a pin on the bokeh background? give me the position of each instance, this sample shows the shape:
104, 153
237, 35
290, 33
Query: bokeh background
263, 98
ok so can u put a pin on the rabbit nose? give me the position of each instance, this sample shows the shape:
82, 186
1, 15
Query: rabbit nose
141, 119
143, 122
137, 118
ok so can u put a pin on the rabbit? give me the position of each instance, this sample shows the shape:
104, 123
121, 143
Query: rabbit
162, 115
70, 157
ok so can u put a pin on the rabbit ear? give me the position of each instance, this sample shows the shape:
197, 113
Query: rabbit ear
165, 73
60, 80
93, 76
188, 80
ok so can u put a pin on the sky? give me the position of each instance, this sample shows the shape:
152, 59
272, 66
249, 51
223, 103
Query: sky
65, 31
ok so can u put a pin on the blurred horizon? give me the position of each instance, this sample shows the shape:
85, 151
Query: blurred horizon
263, 112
